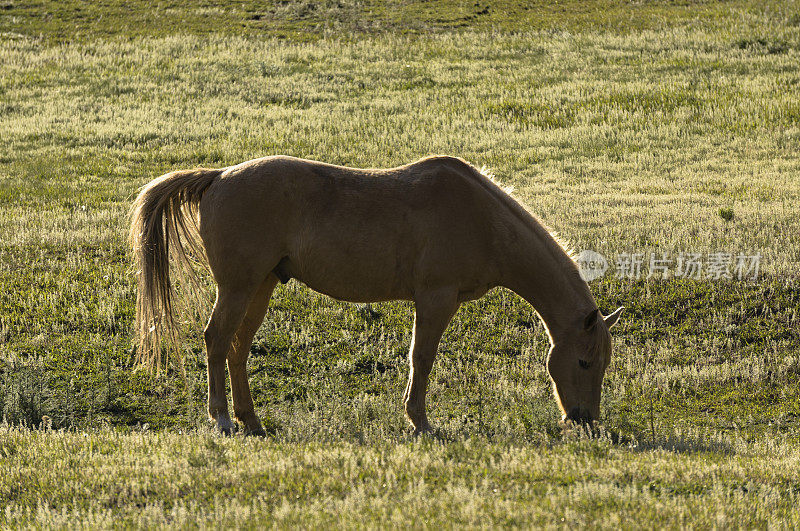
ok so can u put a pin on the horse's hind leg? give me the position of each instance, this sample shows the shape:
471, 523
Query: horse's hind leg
237, 358
229, 311
433, 312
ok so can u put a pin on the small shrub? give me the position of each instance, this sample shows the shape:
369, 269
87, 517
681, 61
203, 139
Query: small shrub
726, 214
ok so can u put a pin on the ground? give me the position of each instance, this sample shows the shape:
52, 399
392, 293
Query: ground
630, 128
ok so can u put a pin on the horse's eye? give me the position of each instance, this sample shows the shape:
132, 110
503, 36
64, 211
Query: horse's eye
584, 364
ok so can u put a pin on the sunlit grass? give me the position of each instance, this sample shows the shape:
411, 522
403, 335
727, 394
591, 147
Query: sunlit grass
622, 143
106, 478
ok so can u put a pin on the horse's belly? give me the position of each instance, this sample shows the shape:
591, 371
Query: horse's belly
351, 280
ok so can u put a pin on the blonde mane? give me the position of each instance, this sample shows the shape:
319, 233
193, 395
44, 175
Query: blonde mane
565, 245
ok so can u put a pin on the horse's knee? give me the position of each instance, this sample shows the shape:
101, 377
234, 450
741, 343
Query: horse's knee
422, 363
208, 338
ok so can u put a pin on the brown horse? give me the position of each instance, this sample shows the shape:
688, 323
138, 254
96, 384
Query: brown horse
437, 232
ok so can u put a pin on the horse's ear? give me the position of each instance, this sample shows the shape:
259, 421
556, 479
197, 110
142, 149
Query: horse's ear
591, 319
612, 319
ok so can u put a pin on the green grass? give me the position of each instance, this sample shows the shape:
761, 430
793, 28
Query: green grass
651, 127
71, 20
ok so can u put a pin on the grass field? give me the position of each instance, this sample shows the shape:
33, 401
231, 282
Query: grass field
627, 127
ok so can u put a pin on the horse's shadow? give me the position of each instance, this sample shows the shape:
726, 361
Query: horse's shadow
676, 442
640, 442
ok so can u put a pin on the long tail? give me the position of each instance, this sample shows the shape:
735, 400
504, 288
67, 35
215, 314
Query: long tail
163, 221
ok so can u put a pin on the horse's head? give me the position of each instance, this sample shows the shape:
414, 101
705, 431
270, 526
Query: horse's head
577, 363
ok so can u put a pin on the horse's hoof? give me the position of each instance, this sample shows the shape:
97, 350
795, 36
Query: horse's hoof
258, 432
228, 431
423, 430
223, 426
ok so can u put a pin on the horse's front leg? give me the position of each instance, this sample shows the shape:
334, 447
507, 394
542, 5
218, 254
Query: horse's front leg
433, 312
237, 358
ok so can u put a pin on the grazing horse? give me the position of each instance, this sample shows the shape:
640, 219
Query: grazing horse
437, 232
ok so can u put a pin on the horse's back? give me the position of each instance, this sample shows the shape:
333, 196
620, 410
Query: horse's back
352, 233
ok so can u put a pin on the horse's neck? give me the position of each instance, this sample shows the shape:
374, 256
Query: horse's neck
543, 274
